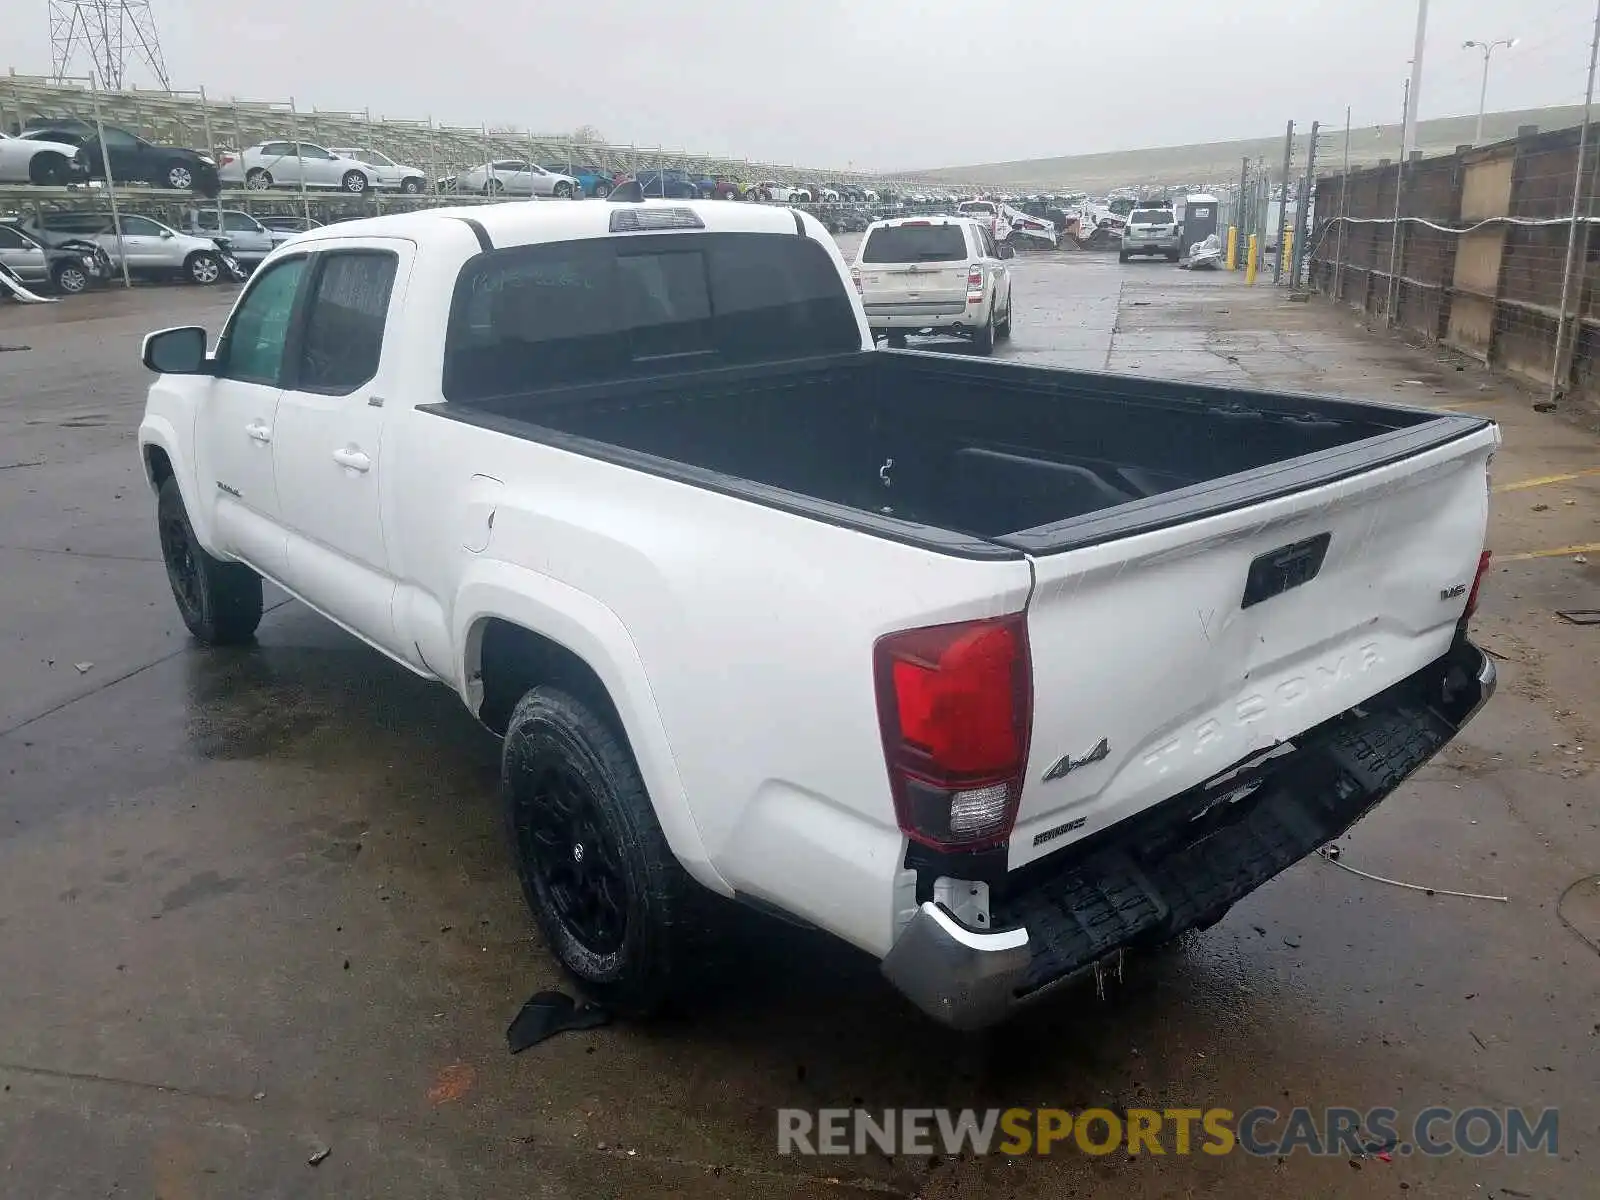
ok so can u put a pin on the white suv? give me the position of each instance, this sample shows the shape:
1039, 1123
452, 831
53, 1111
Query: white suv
941, 275
1151, 231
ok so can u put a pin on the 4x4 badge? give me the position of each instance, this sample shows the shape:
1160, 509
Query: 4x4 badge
1068, 764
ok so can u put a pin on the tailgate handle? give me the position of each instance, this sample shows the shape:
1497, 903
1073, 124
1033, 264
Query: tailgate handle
1276, 571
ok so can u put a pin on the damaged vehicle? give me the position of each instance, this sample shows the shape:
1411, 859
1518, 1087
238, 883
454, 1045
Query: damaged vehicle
992, 671
67, 264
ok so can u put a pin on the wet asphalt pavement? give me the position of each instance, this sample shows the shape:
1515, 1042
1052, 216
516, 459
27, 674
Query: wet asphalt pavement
255, 904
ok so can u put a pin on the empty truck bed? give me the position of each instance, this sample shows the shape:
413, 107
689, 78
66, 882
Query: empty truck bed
991, 452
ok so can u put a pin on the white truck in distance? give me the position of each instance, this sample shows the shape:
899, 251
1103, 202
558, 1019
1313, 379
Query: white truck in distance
989, 670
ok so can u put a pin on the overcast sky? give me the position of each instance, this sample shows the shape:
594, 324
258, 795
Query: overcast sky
869, 83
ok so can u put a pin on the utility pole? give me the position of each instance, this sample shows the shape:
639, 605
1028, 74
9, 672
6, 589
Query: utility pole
1394, 229
1344, 209
1408, 139
1283, 203
1557, 373
1302, 213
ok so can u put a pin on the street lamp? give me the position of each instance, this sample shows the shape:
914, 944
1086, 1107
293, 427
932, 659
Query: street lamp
1487, 48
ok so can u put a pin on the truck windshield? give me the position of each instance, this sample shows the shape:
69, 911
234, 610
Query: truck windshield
1151, 216
915, 243
566, 313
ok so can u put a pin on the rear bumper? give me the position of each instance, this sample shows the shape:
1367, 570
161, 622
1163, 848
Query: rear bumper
1185, 862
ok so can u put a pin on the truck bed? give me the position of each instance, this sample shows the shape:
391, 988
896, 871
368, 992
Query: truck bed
975, 455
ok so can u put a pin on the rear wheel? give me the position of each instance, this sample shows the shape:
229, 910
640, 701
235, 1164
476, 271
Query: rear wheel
1002, 331
48, 169
1172, 255
493, 187
257, 179
609, 896
354, 182
602, 189
177, 176
983, 340
1123, 256
897, 341
220, 602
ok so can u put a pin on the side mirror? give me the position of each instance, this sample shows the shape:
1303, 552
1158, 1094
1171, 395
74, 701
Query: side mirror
166, 233
180, 351
1007, 250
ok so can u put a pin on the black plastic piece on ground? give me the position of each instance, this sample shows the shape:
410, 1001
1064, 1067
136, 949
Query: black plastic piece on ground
549, 1013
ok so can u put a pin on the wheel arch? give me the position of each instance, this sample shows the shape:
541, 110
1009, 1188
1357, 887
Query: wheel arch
522, 630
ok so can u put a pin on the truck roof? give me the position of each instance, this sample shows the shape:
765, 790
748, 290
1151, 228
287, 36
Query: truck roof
524, 222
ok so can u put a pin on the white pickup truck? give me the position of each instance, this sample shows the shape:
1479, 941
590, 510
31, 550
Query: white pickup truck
992, 671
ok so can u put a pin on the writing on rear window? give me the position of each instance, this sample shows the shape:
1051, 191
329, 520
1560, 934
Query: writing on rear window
567, 313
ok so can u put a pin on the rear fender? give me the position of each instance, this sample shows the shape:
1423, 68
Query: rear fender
593, 632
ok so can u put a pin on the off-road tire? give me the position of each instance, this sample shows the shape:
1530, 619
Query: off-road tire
219, 601
555, 741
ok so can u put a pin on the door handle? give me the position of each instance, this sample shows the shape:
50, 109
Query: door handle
355, 460
259, 431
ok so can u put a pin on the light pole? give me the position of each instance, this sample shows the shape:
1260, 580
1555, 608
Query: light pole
1487, 48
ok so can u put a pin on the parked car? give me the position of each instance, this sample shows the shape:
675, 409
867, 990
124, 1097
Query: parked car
516, 177
291, 164
782, 193
68, 264
279, 223
133, 159
391, 176
39, 160
151, 248
942, 275
591, 181
1011, 748
669, 184
247, 238
1151, 231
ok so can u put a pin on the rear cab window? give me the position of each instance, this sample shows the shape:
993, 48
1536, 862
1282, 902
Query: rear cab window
945, 242
570, 313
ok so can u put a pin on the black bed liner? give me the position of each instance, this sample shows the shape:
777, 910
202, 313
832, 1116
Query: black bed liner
971, 457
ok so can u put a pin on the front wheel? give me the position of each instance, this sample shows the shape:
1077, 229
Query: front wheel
70, 278
203, 267
602, 189
411, 186
354, 182
178, 177
896, 340
1123, 256
564, 190
604, 886
219, 601
257, 179
49, 169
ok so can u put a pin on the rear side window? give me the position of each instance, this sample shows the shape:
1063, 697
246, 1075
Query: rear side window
568, 313
1151, 216
915, 243
345, 315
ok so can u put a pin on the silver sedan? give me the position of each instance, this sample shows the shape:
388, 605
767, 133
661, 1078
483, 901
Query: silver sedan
516, 177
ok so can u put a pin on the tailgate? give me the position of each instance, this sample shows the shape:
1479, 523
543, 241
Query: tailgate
915, 283
1163, 659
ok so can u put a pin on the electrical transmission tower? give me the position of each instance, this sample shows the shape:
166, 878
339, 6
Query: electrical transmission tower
109, 33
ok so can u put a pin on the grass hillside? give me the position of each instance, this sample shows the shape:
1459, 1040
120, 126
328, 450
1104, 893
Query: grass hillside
1218, 162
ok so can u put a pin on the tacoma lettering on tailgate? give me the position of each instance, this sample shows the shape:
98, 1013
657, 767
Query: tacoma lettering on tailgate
1207, 736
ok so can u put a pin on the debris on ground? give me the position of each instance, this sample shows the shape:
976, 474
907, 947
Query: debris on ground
1333, 858
83, 667
319, 1154
1579, 616
549, 1013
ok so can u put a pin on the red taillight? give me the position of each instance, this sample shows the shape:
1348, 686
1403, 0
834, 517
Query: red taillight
1477, 582
228, 158
955, 706
974, 284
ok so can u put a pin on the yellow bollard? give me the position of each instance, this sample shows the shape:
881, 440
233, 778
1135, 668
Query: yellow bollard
1233, 247
1287, 255
1250, 257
